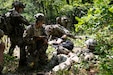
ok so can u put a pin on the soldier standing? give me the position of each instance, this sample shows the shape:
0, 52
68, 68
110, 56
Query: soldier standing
2, 47
17, 22
36, 42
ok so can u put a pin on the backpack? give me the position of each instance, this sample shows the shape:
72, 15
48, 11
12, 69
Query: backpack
68, 44
5, 23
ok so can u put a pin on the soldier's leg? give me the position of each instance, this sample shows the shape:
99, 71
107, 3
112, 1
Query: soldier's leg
52, 62
62, 58
32, 56
11, 49
42, 54
23, 59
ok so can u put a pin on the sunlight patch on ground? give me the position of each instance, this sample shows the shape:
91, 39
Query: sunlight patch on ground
16, 52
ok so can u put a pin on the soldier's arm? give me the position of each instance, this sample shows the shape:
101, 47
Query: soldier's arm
27, 35
74, 37
62, 29
67, 33
19, 18
23, 20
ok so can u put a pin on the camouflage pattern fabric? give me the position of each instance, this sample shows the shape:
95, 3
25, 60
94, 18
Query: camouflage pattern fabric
65, 22
64, 61
83, 54
57, 31
37, 45
17, 22
17, 28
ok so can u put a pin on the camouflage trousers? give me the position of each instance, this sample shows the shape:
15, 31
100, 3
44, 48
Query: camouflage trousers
69, 60
56, 60
15, 41
20, 43
36, 54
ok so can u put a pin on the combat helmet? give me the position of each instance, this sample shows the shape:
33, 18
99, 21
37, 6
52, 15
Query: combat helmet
39, 16
18, 4
90, 42
64, 20
58, 20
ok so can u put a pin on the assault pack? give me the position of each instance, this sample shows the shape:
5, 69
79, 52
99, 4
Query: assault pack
5, 23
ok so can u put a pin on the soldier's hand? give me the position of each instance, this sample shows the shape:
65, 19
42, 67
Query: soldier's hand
59, 40
64, 36
51, 42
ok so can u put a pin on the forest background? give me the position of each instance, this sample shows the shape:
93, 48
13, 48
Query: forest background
92, 18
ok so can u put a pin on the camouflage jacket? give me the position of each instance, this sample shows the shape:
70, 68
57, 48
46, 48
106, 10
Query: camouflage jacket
56, 31
16, 21
31, 32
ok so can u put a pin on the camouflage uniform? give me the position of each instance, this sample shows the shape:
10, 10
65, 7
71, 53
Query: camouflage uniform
2, 47
87, 52
17, 29
17, 22
65, 21
36, 42
80, 54
64, 61
56, 31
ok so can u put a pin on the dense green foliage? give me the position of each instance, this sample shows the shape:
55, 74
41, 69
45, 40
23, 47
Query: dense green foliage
98, 23
94, 19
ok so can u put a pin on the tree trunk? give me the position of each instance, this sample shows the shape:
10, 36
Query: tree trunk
67, 1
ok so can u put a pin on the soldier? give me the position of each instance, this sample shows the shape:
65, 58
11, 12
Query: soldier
36, 43
89, 50
58, 20
17, 22
58, 31
86, 54
62, 54
65, 22
58, 34
2, 47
